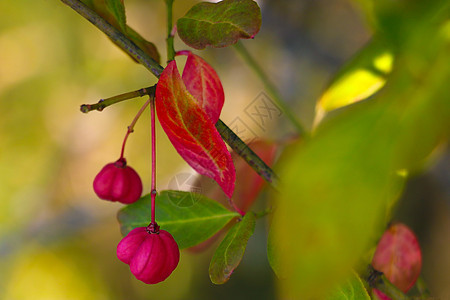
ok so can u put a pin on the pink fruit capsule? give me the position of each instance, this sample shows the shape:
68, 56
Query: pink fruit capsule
118, 182
152, 256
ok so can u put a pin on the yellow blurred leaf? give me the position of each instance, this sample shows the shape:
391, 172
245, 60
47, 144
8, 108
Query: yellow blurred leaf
352, 87
362, 77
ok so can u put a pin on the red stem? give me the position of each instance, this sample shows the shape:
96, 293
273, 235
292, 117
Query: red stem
124, 142
130, 128
237, 209
153, 191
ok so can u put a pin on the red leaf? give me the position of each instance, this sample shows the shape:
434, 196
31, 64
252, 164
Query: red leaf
248, 183
379, 295
204, 84
191, 132
399, 257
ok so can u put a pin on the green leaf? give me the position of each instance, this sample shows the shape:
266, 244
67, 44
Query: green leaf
359, 79
117, 9
113, 11
351, 289
188, 224
231, 250
142, 43
337, 184
219, 24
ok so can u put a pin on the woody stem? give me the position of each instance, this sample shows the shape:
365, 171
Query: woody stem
103, 103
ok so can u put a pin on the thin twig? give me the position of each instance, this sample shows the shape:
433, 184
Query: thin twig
170, 34
103, 103
263, 213
271, 89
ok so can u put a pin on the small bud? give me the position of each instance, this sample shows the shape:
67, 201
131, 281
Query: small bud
152, 256
118, 182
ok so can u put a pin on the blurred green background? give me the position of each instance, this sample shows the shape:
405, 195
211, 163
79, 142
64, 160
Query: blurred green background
58, 240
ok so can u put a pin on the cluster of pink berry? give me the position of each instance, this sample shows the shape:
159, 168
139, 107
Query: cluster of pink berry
151, 253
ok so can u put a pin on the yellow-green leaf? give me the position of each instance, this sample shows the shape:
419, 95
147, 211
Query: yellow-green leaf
359, 79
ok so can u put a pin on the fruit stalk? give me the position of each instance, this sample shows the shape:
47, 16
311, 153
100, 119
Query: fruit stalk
130, 128
153, 126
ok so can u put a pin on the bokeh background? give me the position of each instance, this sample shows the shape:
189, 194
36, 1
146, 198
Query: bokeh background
58, 240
